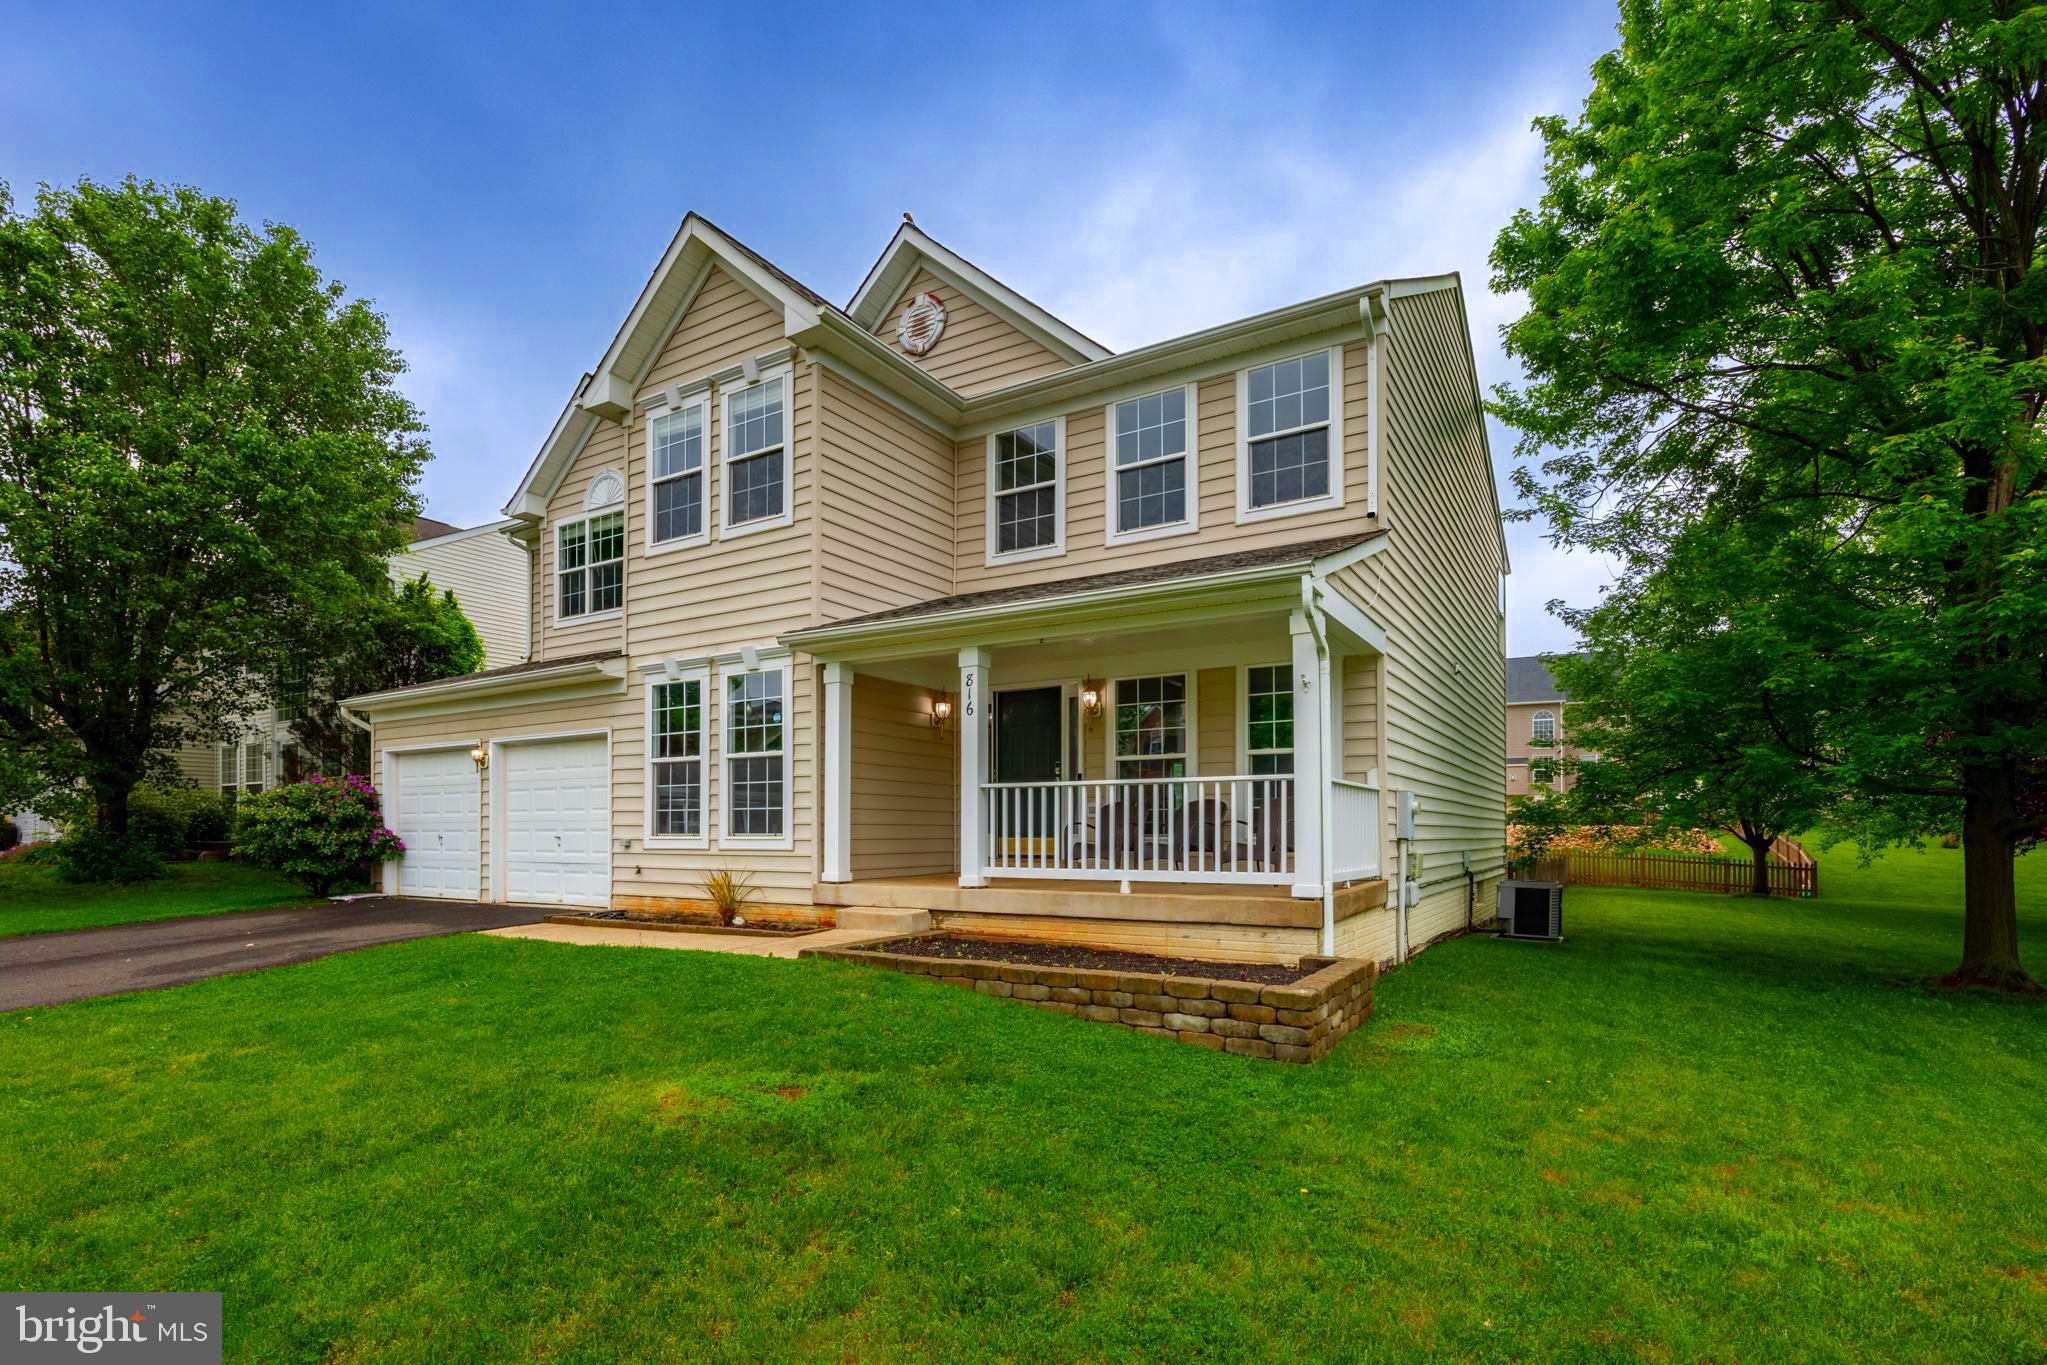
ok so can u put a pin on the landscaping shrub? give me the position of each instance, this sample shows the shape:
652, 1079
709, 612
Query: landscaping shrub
323, 832
10, 835
728, 894
42, 853
91, 854
172, 819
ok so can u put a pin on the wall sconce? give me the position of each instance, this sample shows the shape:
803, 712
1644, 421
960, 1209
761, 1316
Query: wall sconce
480, 756
941, 710
1091, 698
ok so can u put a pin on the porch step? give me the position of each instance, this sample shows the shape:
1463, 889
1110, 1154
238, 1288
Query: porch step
876, 920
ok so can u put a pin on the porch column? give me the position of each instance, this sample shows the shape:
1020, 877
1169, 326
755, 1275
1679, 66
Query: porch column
838, 772
974, 709
1311, 680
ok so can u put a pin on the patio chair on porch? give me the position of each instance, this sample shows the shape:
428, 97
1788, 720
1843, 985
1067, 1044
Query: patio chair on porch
1111, 841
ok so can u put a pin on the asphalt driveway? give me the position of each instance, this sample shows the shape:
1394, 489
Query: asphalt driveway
48, 969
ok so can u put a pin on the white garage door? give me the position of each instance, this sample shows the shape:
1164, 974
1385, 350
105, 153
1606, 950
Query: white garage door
436, 817
558, 822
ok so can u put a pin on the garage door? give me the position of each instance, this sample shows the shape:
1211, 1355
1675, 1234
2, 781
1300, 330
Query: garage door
436, 817
558, 822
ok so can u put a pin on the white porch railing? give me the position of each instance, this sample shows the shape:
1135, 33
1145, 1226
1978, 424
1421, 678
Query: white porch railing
1165, 829
1353, 830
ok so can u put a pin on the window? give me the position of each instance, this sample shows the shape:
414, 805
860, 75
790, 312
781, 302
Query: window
1026, 483
1150, 438
675, 475
230, 780
1269, 719
589, 566
1543, 727
1151, 726
755, 442
756, 755
291, 691
675, 739
1290, 450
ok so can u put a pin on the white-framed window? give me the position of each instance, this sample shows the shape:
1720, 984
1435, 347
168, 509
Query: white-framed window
1152, 477
1026, 506
676, 479
589, 566
1268, 712
676, 759
1290, 435
1149, 732
242, 767
755, 439
1543, 726
756, 785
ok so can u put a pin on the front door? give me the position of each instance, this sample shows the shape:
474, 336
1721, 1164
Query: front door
1028, 743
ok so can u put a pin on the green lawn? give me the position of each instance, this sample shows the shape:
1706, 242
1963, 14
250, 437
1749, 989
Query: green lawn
1700, 1129
33, 901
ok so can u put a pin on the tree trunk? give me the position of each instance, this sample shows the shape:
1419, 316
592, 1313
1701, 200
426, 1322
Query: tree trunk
1990, 920
111, 806
1759, 853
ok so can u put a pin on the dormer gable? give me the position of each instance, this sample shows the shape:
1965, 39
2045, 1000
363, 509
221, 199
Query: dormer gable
960, 324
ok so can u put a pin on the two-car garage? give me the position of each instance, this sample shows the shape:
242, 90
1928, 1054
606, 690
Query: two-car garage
550, 807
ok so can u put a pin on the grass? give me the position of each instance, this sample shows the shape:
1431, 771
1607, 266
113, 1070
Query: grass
33, 901
1700, 1129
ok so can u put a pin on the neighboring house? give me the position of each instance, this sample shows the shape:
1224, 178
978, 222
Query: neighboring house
1535, 725
488, 574
933, 604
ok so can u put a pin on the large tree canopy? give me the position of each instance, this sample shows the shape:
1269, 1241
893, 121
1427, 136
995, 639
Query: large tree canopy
203, 463
1781, 292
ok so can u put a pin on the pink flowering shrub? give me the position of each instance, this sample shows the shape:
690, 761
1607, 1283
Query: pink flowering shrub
323, 832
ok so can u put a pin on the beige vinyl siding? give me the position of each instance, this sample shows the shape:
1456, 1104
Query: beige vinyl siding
1361, 747
978, 351
487, 574
606, 449
905, 783
1215, 726
886, 531
1087, 550
1434, 591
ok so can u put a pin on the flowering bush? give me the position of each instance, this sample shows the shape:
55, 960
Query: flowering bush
323, 832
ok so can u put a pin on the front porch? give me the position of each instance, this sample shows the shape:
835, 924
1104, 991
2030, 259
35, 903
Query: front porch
1190, 767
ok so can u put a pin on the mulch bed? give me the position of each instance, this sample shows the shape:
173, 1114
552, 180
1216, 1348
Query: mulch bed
1084, 958
763, 928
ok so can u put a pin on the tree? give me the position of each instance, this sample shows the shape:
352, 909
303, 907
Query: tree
1669, 693
203, 462
1780, 291
400, 638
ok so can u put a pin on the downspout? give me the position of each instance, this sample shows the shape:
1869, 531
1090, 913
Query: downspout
1318, 628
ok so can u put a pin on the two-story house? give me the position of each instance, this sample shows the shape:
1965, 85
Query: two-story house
932, 606
1535, 726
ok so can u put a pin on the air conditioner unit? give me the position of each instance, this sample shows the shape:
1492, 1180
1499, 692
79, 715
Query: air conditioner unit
1533, 910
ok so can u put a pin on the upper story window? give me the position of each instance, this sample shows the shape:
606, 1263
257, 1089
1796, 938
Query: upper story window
1290, 438
1149, 443
589, 566
756, 454
757, 784
675, 474
1543, 726
1026, 488
1269, 718
1151, 726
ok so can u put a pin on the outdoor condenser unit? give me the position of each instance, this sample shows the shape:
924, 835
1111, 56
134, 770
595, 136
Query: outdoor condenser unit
1532, 910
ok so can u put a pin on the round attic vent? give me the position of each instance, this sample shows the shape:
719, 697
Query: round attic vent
922, 323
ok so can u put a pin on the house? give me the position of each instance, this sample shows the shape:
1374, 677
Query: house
933, 606
1535, 725
487, 574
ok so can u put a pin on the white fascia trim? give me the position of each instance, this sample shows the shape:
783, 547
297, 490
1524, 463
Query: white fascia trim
452, 536
991, 557
1348, 615
1327, 502
533, 679
574, 424
1190, 457
701, 675
1014, 308
689, 296
1343, 559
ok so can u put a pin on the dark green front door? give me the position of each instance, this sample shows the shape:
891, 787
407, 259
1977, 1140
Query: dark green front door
1027, 735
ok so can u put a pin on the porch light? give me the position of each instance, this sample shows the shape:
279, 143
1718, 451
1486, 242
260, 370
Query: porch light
941, 709
1091, 697
480, 756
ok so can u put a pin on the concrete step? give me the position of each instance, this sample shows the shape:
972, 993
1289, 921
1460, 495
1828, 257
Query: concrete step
876, 920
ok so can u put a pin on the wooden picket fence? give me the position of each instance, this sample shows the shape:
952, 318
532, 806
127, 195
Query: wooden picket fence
1796, 875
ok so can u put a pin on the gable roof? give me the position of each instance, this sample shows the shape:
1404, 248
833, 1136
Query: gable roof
912, 248
1528, 679
426, 528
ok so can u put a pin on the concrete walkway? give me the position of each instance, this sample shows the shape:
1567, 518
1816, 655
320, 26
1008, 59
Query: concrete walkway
743, 944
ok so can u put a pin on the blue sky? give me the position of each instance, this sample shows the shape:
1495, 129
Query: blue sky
501, 180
